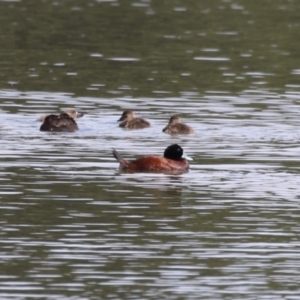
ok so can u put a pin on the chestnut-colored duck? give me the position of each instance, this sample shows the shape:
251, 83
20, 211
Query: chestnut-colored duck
174, 160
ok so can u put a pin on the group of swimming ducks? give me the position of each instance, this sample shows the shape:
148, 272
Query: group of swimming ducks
173, 160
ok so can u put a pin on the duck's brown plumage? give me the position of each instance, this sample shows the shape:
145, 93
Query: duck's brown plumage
176, 127
128, 120
59, 123
172, 161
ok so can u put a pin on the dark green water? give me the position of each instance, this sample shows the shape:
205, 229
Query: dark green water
73, 227
169, 46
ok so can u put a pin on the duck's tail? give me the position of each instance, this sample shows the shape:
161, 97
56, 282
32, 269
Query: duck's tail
119, 158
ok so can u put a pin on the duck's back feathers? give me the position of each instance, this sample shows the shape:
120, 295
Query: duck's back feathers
136, 123
176, 127
60, 123
153, 163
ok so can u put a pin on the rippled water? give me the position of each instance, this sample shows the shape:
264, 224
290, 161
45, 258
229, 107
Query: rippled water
73, 227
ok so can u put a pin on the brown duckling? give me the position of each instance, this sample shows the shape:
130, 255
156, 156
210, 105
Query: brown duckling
59, 123
71, 112
128, 120
176, 127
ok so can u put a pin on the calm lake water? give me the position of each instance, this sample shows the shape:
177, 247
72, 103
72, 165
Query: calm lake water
73, 227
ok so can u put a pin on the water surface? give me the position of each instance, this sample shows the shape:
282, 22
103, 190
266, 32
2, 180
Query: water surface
73, 226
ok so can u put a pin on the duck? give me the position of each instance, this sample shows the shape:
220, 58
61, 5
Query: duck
176, 127
59, 123
71, 112
128, 120
174, 160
